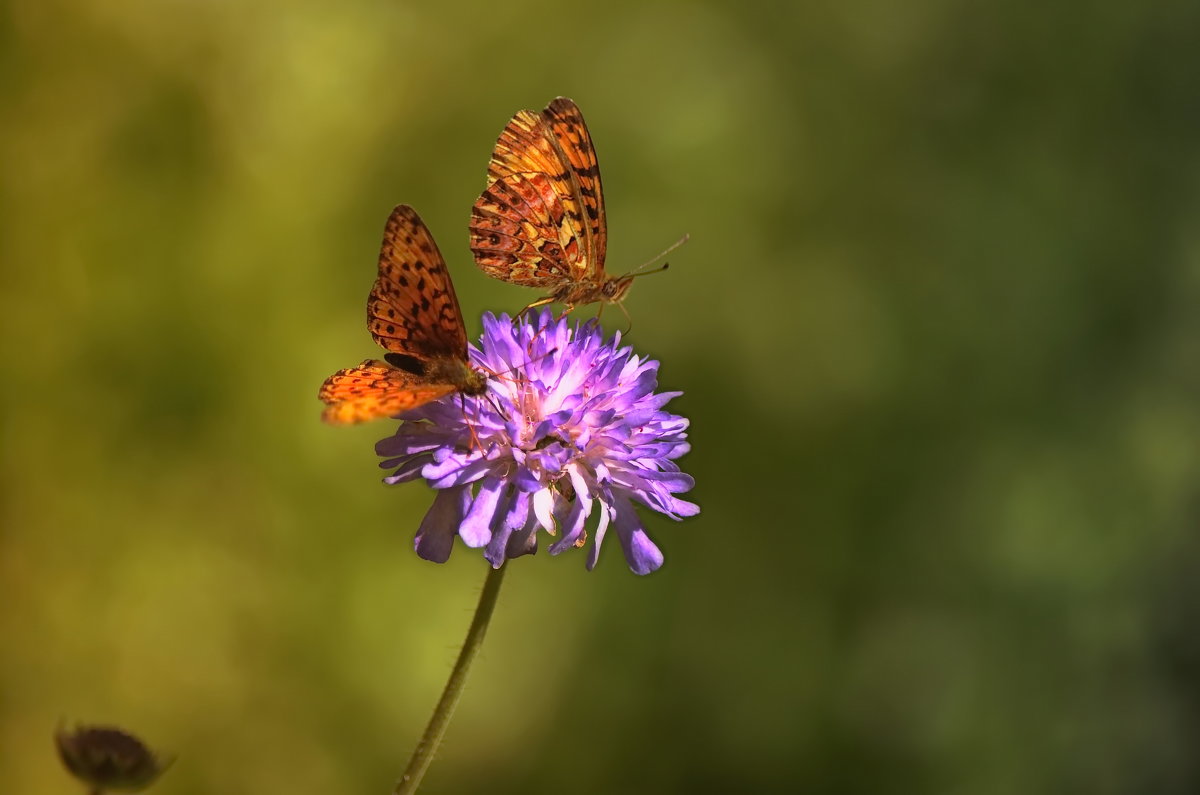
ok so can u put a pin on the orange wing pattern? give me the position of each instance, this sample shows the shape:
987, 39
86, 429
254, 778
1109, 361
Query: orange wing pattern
540, 222
375, 389
571, 132
412, 308
412, 313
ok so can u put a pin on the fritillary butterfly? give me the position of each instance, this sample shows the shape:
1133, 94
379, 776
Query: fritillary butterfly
413, 314
540, 221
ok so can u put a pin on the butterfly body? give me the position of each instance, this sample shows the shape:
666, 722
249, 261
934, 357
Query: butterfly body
540, 222
444, 370
610, 291
413, 314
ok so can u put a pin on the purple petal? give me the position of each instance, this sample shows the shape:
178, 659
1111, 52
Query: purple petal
640, 552
661, 399
583, 489
494, 551
642, 478
435, 536
572, 525
518, 511
522, 542
543, 508
601, 528
684, 508
526, 480
455, 472
409, 470
476, 527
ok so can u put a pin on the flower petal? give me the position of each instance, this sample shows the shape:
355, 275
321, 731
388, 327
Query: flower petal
495, 550
522, 542
601, 528
408, 470
435, 536
517, 514
543, 508
640, 552
572, 525
456, 471
476, 527
583, 489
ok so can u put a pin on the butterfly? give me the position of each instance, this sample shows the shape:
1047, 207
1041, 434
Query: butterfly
413, 314
540, 221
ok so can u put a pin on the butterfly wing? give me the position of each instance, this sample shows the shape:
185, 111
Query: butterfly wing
375, 389
575, 144
540, 222
412, 309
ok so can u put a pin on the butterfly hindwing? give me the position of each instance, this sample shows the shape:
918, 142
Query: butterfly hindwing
519, 233
540, 222
375, 389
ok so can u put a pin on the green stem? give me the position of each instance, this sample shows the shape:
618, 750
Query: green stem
436, 729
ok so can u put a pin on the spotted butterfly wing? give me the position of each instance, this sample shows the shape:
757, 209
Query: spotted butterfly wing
412, 309
375, 389
540, 222
413, 313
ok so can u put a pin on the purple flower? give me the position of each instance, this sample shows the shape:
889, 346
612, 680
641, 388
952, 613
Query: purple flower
569, 436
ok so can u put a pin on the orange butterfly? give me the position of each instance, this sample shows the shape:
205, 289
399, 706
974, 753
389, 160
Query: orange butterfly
412, 313
540, 221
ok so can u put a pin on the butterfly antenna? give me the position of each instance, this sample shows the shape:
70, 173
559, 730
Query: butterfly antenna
640, 270
540, 302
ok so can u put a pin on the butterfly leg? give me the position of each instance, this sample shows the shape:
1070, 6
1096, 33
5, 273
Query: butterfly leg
540, 302
624, 311
474, 443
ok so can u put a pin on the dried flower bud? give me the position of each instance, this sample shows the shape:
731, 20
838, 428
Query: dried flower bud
108, 758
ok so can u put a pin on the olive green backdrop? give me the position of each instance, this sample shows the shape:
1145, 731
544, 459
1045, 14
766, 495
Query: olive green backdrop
936, 327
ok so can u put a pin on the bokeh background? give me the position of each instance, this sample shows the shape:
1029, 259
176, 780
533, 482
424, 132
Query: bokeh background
937, 329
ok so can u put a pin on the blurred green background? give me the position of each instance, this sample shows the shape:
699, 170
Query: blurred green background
936, 327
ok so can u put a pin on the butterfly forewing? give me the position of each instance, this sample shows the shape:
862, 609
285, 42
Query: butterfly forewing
412, 308
524, 147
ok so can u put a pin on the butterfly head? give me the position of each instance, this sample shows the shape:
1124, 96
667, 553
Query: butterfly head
614, 290
474, 382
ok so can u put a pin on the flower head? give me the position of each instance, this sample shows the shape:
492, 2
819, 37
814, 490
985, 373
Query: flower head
569, 435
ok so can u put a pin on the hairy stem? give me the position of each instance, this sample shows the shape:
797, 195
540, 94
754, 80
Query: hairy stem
436, 729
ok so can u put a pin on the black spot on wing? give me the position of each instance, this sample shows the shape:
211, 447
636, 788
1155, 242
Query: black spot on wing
409, 364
